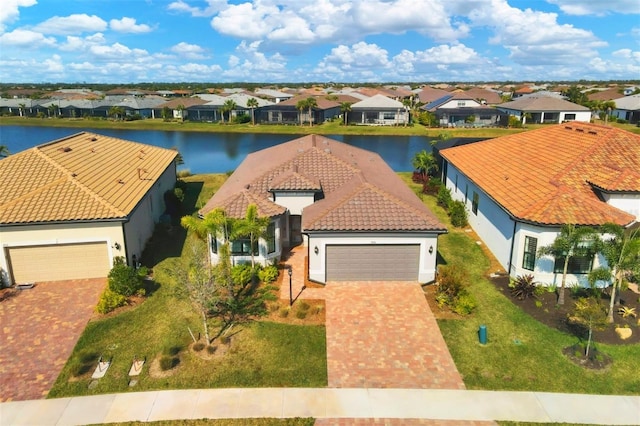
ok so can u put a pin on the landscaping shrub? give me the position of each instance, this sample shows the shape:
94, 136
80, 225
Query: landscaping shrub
241, 119
458, 214
300, 314
198, 346
303, 306
124, 280
451, 290
444, 197
110, 300
284, 312
179, 194
524, 287
268, 274
183, 173
464, 304
211, 349
168, 362
241, 274
514, 122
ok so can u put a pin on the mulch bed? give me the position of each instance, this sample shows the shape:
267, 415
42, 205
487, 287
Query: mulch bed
548, 312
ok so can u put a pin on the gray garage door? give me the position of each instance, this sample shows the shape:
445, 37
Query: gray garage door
58, 262
373, 262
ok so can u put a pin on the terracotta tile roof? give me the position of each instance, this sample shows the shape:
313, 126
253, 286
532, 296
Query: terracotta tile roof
360, 190
606, 95
547, 176
82, 177
542, 103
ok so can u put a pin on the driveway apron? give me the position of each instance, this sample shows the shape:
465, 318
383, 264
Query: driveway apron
40, 327
384, 335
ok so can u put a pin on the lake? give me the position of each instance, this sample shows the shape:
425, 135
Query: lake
218, 152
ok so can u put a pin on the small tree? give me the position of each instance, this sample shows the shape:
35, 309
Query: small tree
424, 162
591, 315
253, 104
228, 106
4, 151
253, 227
166, 113
124, 279
200, 285
345, 108
180, 108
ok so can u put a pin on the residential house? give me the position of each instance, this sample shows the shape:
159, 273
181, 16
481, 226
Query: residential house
429, 94
271, 95
287, 112
357, 218
545, 109
180, 108
70, 206
628, 108
379, 110
520, 189
462, 110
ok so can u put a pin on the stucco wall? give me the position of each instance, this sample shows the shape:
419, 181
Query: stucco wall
29, 235
318, 268
294, 201
629, 203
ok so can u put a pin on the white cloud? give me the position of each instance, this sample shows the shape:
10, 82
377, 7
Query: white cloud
26, 39
250, 64
72, 24
10, 11
53, 65
128, 25
246, 20
79, 44
118, 52
597, 7
213, 7
189, 51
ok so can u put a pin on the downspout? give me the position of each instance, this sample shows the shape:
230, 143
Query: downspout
513, 242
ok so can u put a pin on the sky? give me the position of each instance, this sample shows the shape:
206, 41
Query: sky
303, 41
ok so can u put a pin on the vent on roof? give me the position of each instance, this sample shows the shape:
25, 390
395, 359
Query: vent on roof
568, 127
580, 130
65, 149
120, 181
93, 139
592, 132
327, 150
74, 174
247, 186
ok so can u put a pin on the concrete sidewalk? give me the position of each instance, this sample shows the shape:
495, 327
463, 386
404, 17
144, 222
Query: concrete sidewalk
331, 403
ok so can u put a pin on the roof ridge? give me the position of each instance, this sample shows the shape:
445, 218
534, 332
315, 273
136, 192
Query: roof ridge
396, 199
68, 176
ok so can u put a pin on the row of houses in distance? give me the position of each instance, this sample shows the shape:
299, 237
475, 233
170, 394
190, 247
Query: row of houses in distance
388, 106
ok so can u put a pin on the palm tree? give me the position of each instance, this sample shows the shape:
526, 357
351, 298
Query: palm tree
214, 223
573, 241
301, 105
608, 106
253, 104
407, 103
116, 112
52, 110
622, 253
4, 151
311, 103
345, 108
424, 162
253, 227
22, 109
180, 108
228, 106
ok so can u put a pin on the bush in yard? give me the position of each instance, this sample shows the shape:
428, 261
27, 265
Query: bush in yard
110, 300
124, 280
458, 214
168, 362
241, 274
524, 287
268, 274
179, 194
464, 304
451, 290
444, 197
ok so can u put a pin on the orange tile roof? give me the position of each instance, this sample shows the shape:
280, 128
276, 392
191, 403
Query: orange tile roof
547, 176
360, 190
82, 177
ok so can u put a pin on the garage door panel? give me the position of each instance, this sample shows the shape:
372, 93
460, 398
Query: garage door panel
380, 262
58, 262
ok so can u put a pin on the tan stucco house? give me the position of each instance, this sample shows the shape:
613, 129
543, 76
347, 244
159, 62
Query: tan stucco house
357, 218
69, 207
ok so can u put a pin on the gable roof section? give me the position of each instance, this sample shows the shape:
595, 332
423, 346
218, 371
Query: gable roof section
544, 176
542, 103
83, 177
378, 101
629, 103
361, 192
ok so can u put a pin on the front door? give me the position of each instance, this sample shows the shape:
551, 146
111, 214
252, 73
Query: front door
295, 226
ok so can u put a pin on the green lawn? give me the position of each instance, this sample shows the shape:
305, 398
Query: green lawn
521, 354
261, 354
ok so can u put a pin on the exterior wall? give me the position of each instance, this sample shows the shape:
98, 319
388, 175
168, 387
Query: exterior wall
147, 213
543, 270
584, 116
375, 117
30, 235
629, 203
459, 103
492, 224
318, 267
294, 201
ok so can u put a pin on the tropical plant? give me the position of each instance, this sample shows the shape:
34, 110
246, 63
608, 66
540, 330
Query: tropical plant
117, 112
621, 249
444, 197
308, 104
124, 279
180, 108
227, 107
573, 241
345, 109
627, 311
589, 313
425, 163
22, 109
253, 104
4, 151
523, 287
166, 113
252, 226
458, 214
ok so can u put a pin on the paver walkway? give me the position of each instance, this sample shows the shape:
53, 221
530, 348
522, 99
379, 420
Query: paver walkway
40, 327
379, 334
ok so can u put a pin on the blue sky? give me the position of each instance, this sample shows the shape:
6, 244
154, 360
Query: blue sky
129, 41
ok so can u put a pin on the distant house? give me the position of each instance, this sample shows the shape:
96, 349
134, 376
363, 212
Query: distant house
429, 94
539, 110
271, 95
356, 217
70, 206
460, 109
628, 108
378, 110
520, 189
287, 112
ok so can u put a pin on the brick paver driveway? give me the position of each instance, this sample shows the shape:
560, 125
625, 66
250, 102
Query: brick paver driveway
40, 327
384, 335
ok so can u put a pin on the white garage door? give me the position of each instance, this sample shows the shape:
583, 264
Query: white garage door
58, 262
378, 262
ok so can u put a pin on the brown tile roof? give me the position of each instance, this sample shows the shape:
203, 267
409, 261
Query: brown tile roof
542, 103
321, 101
360, 191
547, 176
82, 177
606, 95
429, 94
489, 96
